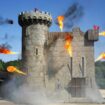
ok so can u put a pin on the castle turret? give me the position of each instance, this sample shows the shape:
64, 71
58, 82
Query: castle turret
35, 26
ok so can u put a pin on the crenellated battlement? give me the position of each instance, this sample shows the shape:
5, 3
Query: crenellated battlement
90, 35
35, 17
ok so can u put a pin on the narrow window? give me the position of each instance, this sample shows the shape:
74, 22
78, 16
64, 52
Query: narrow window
71, 62
83, 66
70, 66
36, 51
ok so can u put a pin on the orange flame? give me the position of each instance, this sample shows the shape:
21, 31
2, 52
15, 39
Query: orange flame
12, 69
60, 22
102, 33
68, 45
6, 51
101, 56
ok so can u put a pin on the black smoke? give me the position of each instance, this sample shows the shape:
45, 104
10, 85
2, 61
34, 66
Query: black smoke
6, 21
72, 15
5, 45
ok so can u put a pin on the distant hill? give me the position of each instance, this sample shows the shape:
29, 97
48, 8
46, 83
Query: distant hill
100, 73
4, 65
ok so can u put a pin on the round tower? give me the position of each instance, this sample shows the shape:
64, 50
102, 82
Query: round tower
35, 26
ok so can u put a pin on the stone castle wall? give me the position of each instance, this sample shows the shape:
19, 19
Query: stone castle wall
48, 64
82, 74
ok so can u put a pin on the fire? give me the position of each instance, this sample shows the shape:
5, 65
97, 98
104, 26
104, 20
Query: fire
6, 51
68, 45
95, 27
101, 56
60, 22
102, 33
12, 69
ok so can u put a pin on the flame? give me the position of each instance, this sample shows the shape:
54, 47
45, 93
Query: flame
68, 45
6, 51
95, 27
102, 33
101, 56
60, 22
12, 69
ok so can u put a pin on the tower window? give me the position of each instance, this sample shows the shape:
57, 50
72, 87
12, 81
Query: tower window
36, 51
83, 65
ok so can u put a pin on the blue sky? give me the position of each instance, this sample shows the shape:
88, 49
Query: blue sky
94, 13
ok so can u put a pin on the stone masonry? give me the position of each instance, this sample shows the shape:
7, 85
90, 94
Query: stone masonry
48, 64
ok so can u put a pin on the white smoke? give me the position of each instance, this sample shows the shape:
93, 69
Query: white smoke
24, 94
27, 96
94, 95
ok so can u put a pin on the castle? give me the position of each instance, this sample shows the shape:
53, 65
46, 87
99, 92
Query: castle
48, 64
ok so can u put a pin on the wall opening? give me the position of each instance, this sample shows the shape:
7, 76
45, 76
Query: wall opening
36, 51
77, 87
83, 66
70, 66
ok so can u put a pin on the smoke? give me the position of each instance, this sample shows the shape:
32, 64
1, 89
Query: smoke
94, 95
27, 96
6, 36
5, 46
5, 21
23, 94
72, 15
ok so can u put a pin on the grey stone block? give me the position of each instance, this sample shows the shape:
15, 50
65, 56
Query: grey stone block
92, 35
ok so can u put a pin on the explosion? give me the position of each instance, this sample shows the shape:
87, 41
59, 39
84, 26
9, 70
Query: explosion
12, 69
95, 27
68, 46
6, 51
60, 22
101, 56
102, 33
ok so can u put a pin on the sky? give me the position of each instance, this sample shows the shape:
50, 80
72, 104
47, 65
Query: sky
93, 15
